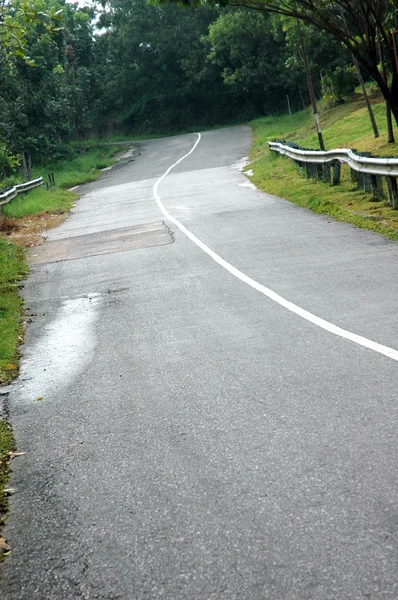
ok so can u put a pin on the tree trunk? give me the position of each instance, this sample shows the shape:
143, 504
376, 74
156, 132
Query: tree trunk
25, 174
310, 87
361, 83
302, 100
390, 130
366, 98
392, 96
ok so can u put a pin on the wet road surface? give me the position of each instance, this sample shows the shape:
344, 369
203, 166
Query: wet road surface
196, 439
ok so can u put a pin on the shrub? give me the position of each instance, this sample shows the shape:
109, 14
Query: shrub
338, 84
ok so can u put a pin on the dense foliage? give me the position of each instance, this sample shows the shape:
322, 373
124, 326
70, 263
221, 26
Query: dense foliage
68, 72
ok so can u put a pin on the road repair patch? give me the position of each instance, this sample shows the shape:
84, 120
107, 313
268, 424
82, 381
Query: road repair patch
103, 242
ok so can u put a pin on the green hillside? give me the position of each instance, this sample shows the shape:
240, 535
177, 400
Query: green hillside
346, 126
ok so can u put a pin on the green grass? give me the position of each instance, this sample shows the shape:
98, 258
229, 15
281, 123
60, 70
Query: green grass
67, 173
40, 200
346, 126
7, 445
13, 269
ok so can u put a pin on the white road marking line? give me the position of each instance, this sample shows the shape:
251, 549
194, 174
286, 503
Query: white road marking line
301, 312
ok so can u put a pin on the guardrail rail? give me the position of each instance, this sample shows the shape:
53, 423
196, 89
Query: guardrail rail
367, 170
19, 189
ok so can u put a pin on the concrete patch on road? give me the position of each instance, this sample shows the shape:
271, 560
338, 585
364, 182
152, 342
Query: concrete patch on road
103, 242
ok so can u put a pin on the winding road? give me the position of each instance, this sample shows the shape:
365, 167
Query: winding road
208, 394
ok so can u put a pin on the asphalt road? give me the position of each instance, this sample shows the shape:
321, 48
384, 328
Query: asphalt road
197, 439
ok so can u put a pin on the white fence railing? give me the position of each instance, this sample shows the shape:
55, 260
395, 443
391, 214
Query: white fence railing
20, 189
370, 169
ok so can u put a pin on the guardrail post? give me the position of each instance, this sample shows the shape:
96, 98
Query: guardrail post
326, 173
377, 187
364, 180
336, 173
392, 191
319, 170
367, 172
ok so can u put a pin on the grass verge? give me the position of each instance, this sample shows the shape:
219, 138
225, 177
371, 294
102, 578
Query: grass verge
346, 126
7, 445
13, 269
67, 173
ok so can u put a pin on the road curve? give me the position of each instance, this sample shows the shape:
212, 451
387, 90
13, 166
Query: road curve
197, 438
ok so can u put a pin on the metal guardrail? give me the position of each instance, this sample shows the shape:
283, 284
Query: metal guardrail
368, 170
362, 164
20, 189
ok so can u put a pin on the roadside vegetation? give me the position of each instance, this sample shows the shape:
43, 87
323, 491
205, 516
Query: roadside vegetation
84, 167
345, 126
7, 446
13, 269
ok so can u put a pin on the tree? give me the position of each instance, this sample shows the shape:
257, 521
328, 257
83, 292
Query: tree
366, 19
16, 20
153, 71
242, 44
81, 85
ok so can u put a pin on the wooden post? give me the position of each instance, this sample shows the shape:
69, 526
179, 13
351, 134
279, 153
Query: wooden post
288, 104
302, 100
25, 167
29, 166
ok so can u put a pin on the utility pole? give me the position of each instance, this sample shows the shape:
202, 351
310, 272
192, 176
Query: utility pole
310, 87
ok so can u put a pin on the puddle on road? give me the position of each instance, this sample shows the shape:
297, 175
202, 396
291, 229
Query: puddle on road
248, 184
240, 164
62, 352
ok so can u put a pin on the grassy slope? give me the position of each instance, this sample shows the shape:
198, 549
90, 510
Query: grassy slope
13, 268
67, 173
344, 126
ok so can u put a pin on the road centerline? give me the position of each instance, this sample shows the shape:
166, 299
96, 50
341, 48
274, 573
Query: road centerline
274, 296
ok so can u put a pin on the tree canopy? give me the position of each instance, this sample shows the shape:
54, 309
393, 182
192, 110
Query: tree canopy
361, 25
68, 72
